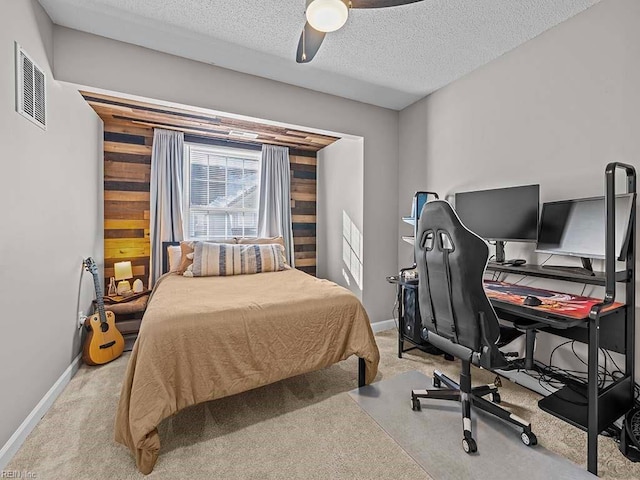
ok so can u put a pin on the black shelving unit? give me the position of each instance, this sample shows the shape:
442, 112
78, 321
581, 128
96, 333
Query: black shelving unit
603, 405
407, 287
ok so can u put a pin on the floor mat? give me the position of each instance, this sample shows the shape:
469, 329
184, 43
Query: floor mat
433, 436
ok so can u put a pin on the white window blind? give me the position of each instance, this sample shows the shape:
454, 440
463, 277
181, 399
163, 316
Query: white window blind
221, 192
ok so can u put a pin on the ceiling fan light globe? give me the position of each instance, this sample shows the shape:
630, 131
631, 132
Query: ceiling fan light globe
327, 15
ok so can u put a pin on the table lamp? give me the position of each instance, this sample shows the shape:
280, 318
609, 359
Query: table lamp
123, 273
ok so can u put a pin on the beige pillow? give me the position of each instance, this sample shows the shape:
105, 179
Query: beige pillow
186, 248
213, 260
259, 241
262, 241
174, 252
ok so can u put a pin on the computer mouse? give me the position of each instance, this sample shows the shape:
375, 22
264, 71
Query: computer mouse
532, 301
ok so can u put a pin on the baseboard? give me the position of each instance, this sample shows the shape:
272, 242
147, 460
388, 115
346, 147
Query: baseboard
20, 435
383, 325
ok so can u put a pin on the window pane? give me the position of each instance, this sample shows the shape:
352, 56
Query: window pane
198, 172
251, 197
217, 196
198, 225
235, 195
251, 171
218, 225
223, 224
199, 193
217, 168
235, 170
243, 224
251, 224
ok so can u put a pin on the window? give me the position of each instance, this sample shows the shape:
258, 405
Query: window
221, 192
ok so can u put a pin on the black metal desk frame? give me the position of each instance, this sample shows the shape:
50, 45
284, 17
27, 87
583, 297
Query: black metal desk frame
604, 405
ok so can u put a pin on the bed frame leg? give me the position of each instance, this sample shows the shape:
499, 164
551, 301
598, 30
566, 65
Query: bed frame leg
362, 372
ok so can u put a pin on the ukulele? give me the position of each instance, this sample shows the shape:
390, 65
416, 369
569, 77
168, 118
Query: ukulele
104, 342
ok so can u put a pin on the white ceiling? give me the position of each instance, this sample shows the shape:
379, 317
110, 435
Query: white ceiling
389, 57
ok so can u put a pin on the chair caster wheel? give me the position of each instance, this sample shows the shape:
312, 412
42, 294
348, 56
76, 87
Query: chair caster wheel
529, 439
449, 358
415, 405
495, 397
436, 382
469, 445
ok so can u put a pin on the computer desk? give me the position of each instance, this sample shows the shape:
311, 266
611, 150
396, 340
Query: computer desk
607, 325
567, 315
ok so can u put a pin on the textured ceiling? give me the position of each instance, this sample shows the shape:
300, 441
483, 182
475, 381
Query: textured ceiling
388, 57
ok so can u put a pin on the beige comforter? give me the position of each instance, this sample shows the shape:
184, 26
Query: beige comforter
207, 338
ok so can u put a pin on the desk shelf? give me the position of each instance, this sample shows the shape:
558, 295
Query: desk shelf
410, 239
570, 404
538, 271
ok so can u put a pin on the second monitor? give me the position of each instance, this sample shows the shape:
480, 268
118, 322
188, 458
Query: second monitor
504, 214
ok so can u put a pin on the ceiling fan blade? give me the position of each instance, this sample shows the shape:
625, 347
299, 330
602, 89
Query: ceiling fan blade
309, 44
380, 3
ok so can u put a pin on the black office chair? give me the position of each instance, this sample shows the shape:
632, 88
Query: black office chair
457, 316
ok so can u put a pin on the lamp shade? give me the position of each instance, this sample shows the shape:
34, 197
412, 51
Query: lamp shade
327, 15
123, 270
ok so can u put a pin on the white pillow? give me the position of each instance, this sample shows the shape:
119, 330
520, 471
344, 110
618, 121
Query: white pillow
175, 257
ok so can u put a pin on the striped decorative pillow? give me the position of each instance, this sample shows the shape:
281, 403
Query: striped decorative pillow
210, 259
186, 252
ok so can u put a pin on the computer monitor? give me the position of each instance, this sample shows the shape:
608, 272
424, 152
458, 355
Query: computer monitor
577, 227
504, 214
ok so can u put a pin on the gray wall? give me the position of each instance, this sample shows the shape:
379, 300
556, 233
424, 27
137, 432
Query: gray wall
554, 111
340, 198
51, 197
99, 62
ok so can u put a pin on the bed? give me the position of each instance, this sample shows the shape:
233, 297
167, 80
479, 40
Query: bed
207, 338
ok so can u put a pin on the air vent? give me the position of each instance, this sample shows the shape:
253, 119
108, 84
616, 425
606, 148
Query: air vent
238, 133
31, 89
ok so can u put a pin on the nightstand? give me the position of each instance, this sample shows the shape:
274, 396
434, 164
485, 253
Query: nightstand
128, 314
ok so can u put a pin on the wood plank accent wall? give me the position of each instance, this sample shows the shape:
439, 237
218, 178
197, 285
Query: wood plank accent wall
303, 210
127, 172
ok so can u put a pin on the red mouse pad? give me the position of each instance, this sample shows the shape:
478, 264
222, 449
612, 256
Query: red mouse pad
558, 303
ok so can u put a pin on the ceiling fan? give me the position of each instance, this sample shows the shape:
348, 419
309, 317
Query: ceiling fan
325, 16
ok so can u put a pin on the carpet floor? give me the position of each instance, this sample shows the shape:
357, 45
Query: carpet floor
306, 427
